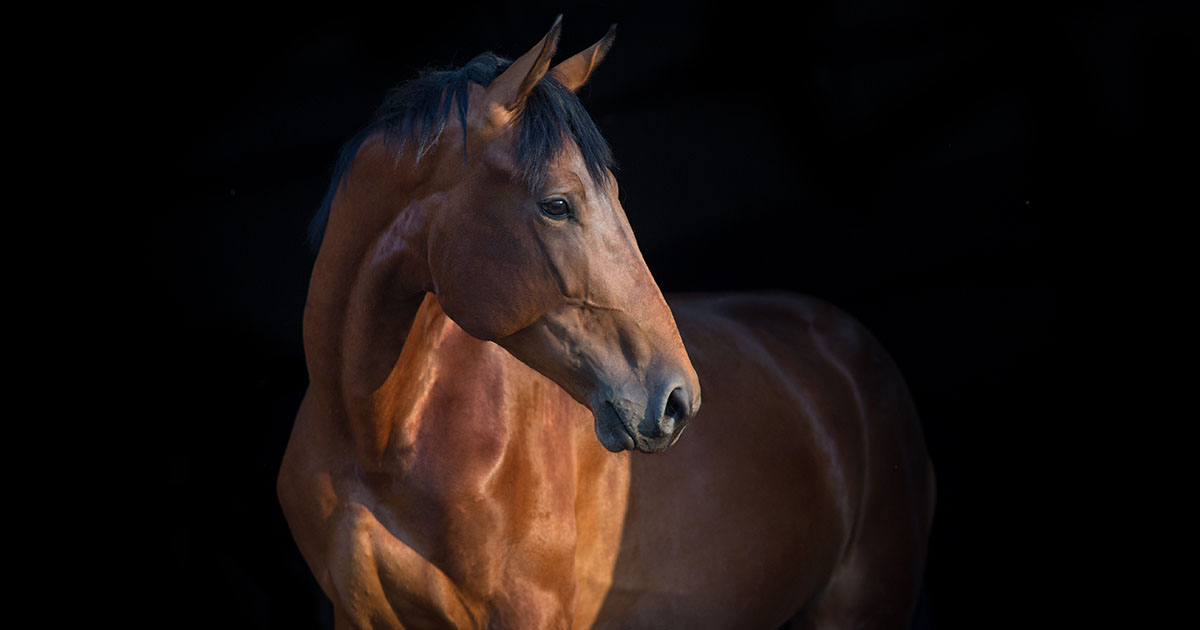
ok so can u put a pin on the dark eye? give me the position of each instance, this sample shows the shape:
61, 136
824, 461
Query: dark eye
556, 208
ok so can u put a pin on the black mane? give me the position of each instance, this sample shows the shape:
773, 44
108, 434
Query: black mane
416, 112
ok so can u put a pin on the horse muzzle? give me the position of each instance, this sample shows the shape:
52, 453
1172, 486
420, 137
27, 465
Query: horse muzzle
648, 423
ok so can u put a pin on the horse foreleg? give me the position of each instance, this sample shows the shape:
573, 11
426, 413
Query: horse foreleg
380, 582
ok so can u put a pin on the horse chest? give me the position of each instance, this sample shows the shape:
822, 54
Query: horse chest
485, 512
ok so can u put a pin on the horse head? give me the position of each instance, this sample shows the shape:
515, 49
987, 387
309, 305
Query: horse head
524, 242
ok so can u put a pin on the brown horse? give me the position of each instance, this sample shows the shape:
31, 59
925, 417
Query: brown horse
477, 298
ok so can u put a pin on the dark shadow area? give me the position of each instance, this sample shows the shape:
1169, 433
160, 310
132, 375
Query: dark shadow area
881, 156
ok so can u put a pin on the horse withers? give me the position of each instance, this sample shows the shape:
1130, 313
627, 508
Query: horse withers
487, 349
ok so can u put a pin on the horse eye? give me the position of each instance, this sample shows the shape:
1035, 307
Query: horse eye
555, 208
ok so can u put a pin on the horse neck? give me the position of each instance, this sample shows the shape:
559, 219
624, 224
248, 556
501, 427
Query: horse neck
367, 286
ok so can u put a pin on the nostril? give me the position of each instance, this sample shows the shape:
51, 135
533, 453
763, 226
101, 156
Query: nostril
675, 412
677, 405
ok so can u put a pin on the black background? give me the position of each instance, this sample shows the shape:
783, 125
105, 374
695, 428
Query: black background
880, 155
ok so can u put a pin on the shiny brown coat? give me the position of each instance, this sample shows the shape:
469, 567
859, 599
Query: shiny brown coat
452, 464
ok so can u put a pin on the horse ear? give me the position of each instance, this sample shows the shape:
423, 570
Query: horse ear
574, 72
510, 88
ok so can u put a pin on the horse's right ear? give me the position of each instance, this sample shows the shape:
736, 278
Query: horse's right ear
574, 72
509, 90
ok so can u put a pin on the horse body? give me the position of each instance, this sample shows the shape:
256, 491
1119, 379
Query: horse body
441, 471
500, 509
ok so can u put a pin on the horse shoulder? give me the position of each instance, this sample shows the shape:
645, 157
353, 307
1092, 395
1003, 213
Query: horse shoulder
349, 538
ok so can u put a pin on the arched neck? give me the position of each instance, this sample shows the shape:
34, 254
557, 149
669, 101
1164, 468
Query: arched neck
367, 286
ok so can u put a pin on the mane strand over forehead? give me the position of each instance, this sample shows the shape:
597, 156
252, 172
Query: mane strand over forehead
415, 114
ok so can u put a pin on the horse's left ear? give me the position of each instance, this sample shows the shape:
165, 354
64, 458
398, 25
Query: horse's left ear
574, 72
